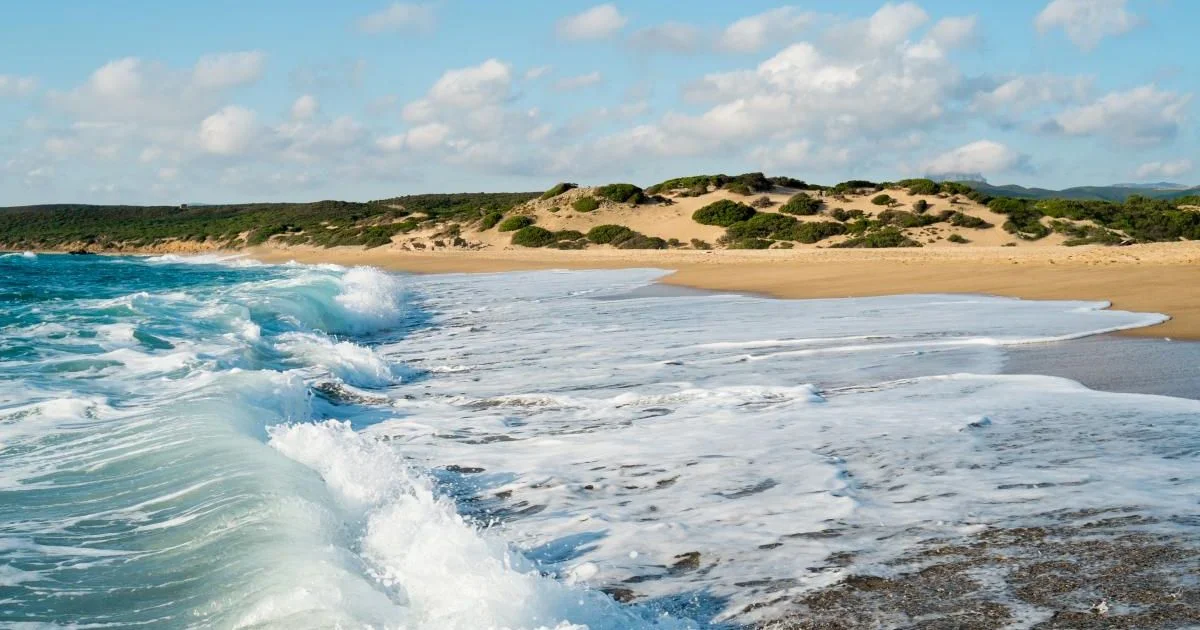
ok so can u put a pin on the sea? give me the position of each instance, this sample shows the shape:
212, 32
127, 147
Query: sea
210, 442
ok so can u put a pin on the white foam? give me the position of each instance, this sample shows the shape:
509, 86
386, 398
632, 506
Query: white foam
355, 364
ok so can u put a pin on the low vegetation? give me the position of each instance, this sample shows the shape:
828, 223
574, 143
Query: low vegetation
585, 204
512, 224
607, 234
696, 185
558, 189
723, 213
882, 200
887, 237
490, 220
622, 193
801, 204
533, 236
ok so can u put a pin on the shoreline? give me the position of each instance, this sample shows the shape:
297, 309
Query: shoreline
1155, 277
1152, 277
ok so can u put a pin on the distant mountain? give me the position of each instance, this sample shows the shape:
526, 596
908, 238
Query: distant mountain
1084, 193
1155, 186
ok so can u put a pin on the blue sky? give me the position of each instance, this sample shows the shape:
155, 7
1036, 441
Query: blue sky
153, 102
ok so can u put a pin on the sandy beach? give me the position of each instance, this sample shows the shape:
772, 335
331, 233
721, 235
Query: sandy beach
1158, 277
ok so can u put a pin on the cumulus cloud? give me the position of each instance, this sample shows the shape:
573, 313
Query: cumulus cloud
488, 83
229, 69
599, 22
228, 131
400, 16
305, 107
1164, 169
12, 85
1023, 94
982, 156
567, 84
1142, 116
1086, 22
537, 72
755, 32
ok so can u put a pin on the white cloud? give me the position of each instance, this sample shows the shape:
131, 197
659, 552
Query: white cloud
1164, 169
1086, 22
1142, 116
953, 32
11, 85
599, 22
892, 23
802, 154
229, 69
1023, 94
577, 82
426, 137
675, 37
168, 173
753, 33
537, 72
229, 131
399, 17
305, 107
308, 141
476, 86
982, 156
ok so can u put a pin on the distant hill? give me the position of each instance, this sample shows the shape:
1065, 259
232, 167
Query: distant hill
1093, 193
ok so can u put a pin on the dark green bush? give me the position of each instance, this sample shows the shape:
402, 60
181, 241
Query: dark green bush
920, 186
621, 193
699, 244
568, 235
641, 241
533, 236
811, 232
841, 214
558, 189
609, 234
761, 225
801, 204
920, 206
853, 185
882, 200
957, 238
887, 237
751, 243
901, 218
958, 219
490, 220
762, 202
585, 204
723, 213
512, 224
739, 188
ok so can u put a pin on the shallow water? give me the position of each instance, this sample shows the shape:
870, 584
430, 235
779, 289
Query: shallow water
214, 443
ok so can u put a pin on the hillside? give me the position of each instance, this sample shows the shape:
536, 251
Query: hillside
1118, 193
748, 211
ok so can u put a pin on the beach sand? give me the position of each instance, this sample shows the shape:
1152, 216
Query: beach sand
1156, 277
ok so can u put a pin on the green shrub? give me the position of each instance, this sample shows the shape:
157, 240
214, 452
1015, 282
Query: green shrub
490, 220
760, 226
762, 202
609, 234
621, 193
901, 218
841, 214
739, 188
784, 245
699, 244
515, 223
812, 232
533, 236
568, 235
674, 242
801, 204
558, 189
882, 200
887, 237
853, 185
723, 213
920, 186
751, 243
585, 204
920, 206
957, 238
641, 241
958, 219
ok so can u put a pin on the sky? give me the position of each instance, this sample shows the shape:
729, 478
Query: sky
149, 102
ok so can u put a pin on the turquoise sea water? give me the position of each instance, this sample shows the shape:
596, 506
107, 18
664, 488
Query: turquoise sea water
215, 443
